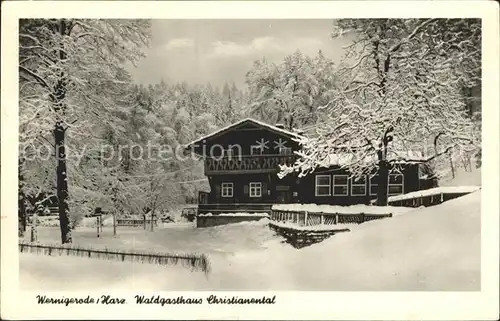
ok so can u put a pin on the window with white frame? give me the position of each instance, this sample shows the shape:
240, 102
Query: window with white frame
256, 150
340, 185
255, 189
395, 185
358, 186
323, 185
227, 189
374, 185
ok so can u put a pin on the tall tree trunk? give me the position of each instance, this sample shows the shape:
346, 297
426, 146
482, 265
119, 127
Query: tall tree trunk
62, 182
383, 170
21, 203
451, 165
22, 214
291, 123
383, 176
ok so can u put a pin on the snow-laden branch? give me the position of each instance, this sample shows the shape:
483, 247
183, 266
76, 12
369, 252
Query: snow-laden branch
411, 90
411, 35
37, 77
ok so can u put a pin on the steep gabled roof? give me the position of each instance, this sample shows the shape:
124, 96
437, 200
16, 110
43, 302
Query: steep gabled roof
242, 122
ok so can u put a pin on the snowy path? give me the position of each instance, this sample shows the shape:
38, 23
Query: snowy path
435, 248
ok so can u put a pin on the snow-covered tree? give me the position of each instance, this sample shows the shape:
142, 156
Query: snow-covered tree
74, 71
398, 98
291, 91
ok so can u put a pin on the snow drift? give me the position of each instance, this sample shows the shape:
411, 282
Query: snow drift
431, 249
436, 248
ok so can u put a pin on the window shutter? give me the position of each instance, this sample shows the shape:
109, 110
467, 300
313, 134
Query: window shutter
264, 188
217, 189
245, 189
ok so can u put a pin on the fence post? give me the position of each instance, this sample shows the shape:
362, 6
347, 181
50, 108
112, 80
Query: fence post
98, 224
336, 218
441, 197
34, 221
322, 216
114, 222
305, 218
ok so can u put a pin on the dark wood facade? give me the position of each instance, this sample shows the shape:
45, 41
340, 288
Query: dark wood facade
244, 177
345, 190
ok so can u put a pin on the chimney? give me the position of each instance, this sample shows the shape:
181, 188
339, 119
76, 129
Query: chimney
279, 125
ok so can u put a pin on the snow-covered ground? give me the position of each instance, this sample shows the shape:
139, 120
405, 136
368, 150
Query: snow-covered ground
170, 238
435, 248
462, 178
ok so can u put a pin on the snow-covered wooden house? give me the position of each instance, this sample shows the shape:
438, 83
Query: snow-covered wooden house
242, 162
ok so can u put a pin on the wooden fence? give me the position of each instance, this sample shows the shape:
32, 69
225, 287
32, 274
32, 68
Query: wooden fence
304, 218
427, 200
135, 222
193, 261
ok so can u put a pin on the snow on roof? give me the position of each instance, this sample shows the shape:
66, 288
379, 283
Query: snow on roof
435, 191
397, 157
344, 158
270, 127
340, 159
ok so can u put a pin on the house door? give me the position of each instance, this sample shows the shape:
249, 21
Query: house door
202, 197
283, 194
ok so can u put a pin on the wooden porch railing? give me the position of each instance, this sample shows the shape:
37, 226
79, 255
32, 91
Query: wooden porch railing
426, 200
247, 163
304, 218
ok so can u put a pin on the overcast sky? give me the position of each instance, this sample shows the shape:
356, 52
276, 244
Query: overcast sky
219, 51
